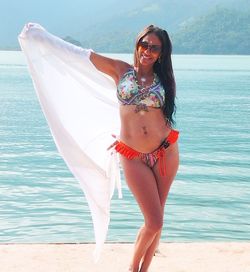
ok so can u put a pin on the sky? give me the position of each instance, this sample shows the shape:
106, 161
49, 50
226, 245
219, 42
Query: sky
50, 13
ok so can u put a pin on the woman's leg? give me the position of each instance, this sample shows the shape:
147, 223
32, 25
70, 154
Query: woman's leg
163, 185
135, 244
142, 183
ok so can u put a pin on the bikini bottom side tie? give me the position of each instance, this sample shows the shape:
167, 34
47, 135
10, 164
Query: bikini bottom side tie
151, 158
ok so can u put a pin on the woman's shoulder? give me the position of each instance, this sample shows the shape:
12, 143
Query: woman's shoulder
124, 67
112, 67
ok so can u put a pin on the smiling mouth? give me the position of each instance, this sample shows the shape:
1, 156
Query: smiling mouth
146, 56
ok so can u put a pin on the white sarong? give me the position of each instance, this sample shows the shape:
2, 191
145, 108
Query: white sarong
81, 108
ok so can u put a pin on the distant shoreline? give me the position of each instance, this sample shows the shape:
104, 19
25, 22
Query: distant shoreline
188, 54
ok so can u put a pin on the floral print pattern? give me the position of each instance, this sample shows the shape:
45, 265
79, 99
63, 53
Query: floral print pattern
129, 93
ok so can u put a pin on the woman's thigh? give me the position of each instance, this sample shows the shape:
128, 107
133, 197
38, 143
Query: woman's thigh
164, 182
143, 185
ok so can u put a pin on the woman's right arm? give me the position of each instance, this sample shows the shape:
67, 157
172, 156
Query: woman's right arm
112, 67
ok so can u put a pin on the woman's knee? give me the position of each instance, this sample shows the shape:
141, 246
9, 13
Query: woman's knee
154, 225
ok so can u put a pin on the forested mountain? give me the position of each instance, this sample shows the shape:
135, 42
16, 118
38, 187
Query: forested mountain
222, 31
111, 25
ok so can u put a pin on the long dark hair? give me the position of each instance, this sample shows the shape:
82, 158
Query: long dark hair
163, 68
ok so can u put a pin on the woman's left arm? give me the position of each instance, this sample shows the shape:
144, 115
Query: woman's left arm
112, 67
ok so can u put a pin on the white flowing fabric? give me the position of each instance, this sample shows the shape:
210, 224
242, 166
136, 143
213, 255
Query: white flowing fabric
81, 108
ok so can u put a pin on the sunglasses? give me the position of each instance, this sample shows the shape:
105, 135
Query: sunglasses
153, 48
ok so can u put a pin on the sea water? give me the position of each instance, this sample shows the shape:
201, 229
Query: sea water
40, 200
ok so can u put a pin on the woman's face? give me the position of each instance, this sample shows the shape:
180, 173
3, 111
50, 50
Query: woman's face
149, 49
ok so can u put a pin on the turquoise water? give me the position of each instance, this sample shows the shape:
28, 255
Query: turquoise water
40, 201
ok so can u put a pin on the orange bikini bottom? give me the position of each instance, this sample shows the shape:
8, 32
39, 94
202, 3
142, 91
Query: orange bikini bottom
151, 158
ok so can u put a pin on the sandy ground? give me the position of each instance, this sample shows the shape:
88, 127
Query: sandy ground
174, 257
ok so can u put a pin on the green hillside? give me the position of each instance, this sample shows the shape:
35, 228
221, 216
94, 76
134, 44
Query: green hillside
196, 27
222, 31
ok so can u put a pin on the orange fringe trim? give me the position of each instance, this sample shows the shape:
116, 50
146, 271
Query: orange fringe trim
159, 153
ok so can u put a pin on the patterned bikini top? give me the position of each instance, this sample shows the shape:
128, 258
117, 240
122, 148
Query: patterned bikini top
129, 92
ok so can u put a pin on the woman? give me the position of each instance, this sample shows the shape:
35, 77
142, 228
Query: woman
79, 106
148, 147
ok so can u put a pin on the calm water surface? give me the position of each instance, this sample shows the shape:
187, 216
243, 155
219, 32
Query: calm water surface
40, 201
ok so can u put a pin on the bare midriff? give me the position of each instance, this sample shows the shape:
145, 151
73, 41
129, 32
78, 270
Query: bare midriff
143, 131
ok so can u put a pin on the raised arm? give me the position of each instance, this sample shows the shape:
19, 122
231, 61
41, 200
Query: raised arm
112, 67
69, 52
